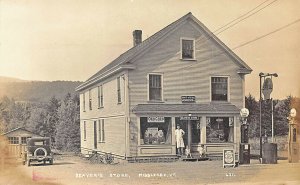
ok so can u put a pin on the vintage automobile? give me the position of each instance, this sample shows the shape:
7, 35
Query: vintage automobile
38, 149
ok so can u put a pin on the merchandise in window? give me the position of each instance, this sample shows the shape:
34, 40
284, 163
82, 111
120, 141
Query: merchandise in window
219, 130
155, 133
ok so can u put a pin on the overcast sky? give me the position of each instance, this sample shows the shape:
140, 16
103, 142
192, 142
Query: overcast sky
73, 39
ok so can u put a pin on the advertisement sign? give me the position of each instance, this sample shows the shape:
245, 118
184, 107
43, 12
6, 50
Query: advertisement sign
228, 157
188, 99
189, 118
157, 119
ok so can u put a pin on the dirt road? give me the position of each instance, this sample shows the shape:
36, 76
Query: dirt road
73, 170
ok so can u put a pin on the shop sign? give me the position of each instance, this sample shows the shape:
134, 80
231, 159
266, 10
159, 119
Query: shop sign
157, 119
189, 118
188, 99
219, 119
228, 157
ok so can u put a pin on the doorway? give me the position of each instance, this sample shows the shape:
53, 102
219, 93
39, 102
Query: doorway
95, 134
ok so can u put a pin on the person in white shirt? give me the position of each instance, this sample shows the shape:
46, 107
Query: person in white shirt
202, 151
179, 140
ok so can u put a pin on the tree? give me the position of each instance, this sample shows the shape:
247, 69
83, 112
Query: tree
68, 126
253, 118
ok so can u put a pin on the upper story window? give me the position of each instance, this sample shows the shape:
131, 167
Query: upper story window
219, 89
100, 96
155, 87
187, 49
119, 89
90, 99
83, 102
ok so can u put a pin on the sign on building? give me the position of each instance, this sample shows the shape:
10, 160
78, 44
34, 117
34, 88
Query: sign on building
189, 118
157, 119
188, 99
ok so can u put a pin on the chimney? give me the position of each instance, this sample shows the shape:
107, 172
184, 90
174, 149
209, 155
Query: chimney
137, 37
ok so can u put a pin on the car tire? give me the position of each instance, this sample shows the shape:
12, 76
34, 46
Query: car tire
51, 161
40, 157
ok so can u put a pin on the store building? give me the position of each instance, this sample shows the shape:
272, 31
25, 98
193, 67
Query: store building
182, 75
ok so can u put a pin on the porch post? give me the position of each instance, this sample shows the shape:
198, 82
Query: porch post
203, 129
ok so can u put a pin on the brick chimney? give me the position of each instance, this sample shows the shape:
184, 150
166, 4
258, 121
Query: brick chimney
137, 37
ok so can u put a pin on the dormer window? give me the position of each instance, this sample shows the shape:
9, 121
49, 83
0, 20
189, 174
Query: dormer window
187, 49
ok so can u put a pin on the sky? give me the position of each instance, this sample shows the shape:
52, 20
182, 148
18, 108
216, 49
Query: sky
52, 40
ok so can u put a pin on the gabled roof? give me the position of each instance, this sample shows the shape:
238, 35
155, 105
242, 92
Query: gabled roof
19, 128
123, 61
186, 108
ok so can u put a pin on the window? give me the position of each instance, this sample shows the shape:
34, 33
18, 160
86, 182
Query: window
90, 99
119, 89
13, 140
219, 130
84, 130
187, 48
83, 102
101, 130
155, 87
155, 133
219, 88
24, 140
100, 96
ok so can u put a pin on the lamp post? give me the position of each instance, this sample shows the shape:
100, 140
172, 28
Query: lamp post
263, 75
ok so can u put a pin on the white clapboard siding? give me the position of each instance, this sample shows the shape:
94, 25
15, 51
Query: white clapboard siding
179, 77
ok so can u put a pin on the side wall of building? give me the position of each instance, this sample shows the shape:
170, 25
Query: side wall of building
112, 112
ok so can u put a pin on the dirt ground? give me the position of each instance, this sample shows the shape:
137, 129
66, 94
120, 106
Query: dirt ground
74, 170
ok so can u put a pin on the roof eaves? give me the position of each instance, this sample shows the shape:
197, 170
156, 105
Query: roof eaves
98, 78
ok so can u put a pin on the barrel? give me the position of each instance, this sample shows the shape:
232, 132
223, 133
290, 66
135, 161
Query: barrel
269, 153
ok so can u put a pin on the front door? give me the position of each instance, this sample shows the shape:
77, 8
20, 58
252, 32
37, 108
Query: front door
95, 134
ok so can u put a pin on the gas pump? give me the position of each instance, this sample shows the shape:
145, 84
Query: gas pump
293, 148
244, 155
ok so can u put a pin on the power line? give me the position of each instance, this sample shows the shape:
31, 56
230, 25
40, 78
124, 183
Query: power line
239, 17
262, 36
246, 17
209, 37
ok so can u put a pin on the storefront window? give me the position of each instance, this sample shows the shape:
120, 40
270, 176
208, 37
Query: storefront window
219, 130
156, 131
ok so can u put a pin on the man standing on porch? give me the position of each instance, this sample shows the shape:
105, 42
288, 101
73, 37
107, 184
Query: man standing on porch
179, 140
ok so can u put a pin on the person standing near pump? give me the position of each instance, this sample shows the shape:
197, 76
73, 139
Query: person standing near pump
179, 140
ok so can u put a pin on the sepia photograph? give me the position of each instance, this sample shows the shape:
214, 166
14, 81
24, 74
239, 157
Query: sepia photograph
154, 92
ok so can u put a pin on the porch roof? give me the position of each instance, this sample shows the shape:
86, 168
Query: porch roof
186, 108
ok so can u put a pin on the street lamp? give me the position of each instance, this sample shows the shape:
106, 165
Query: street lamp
269, 90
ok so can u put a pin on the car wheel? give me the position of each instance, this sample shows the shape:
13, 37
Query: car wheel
51, 161
44, 161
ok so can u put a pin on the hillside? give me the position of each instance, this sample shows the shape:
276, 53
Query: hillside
36, 91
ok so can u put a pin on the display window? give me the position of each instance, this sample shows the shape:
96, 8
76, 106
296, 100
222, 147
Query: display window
155, 131
219, 130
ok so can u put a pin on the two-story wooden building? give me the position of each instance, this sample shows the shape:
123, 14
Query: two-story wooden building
183, 74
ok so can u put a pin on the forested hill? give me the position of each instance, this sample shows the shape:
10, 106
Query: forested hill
37, 91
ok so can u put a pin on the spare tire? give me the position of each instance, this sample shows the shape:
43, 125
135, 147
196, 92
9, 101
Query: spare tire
40, 153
